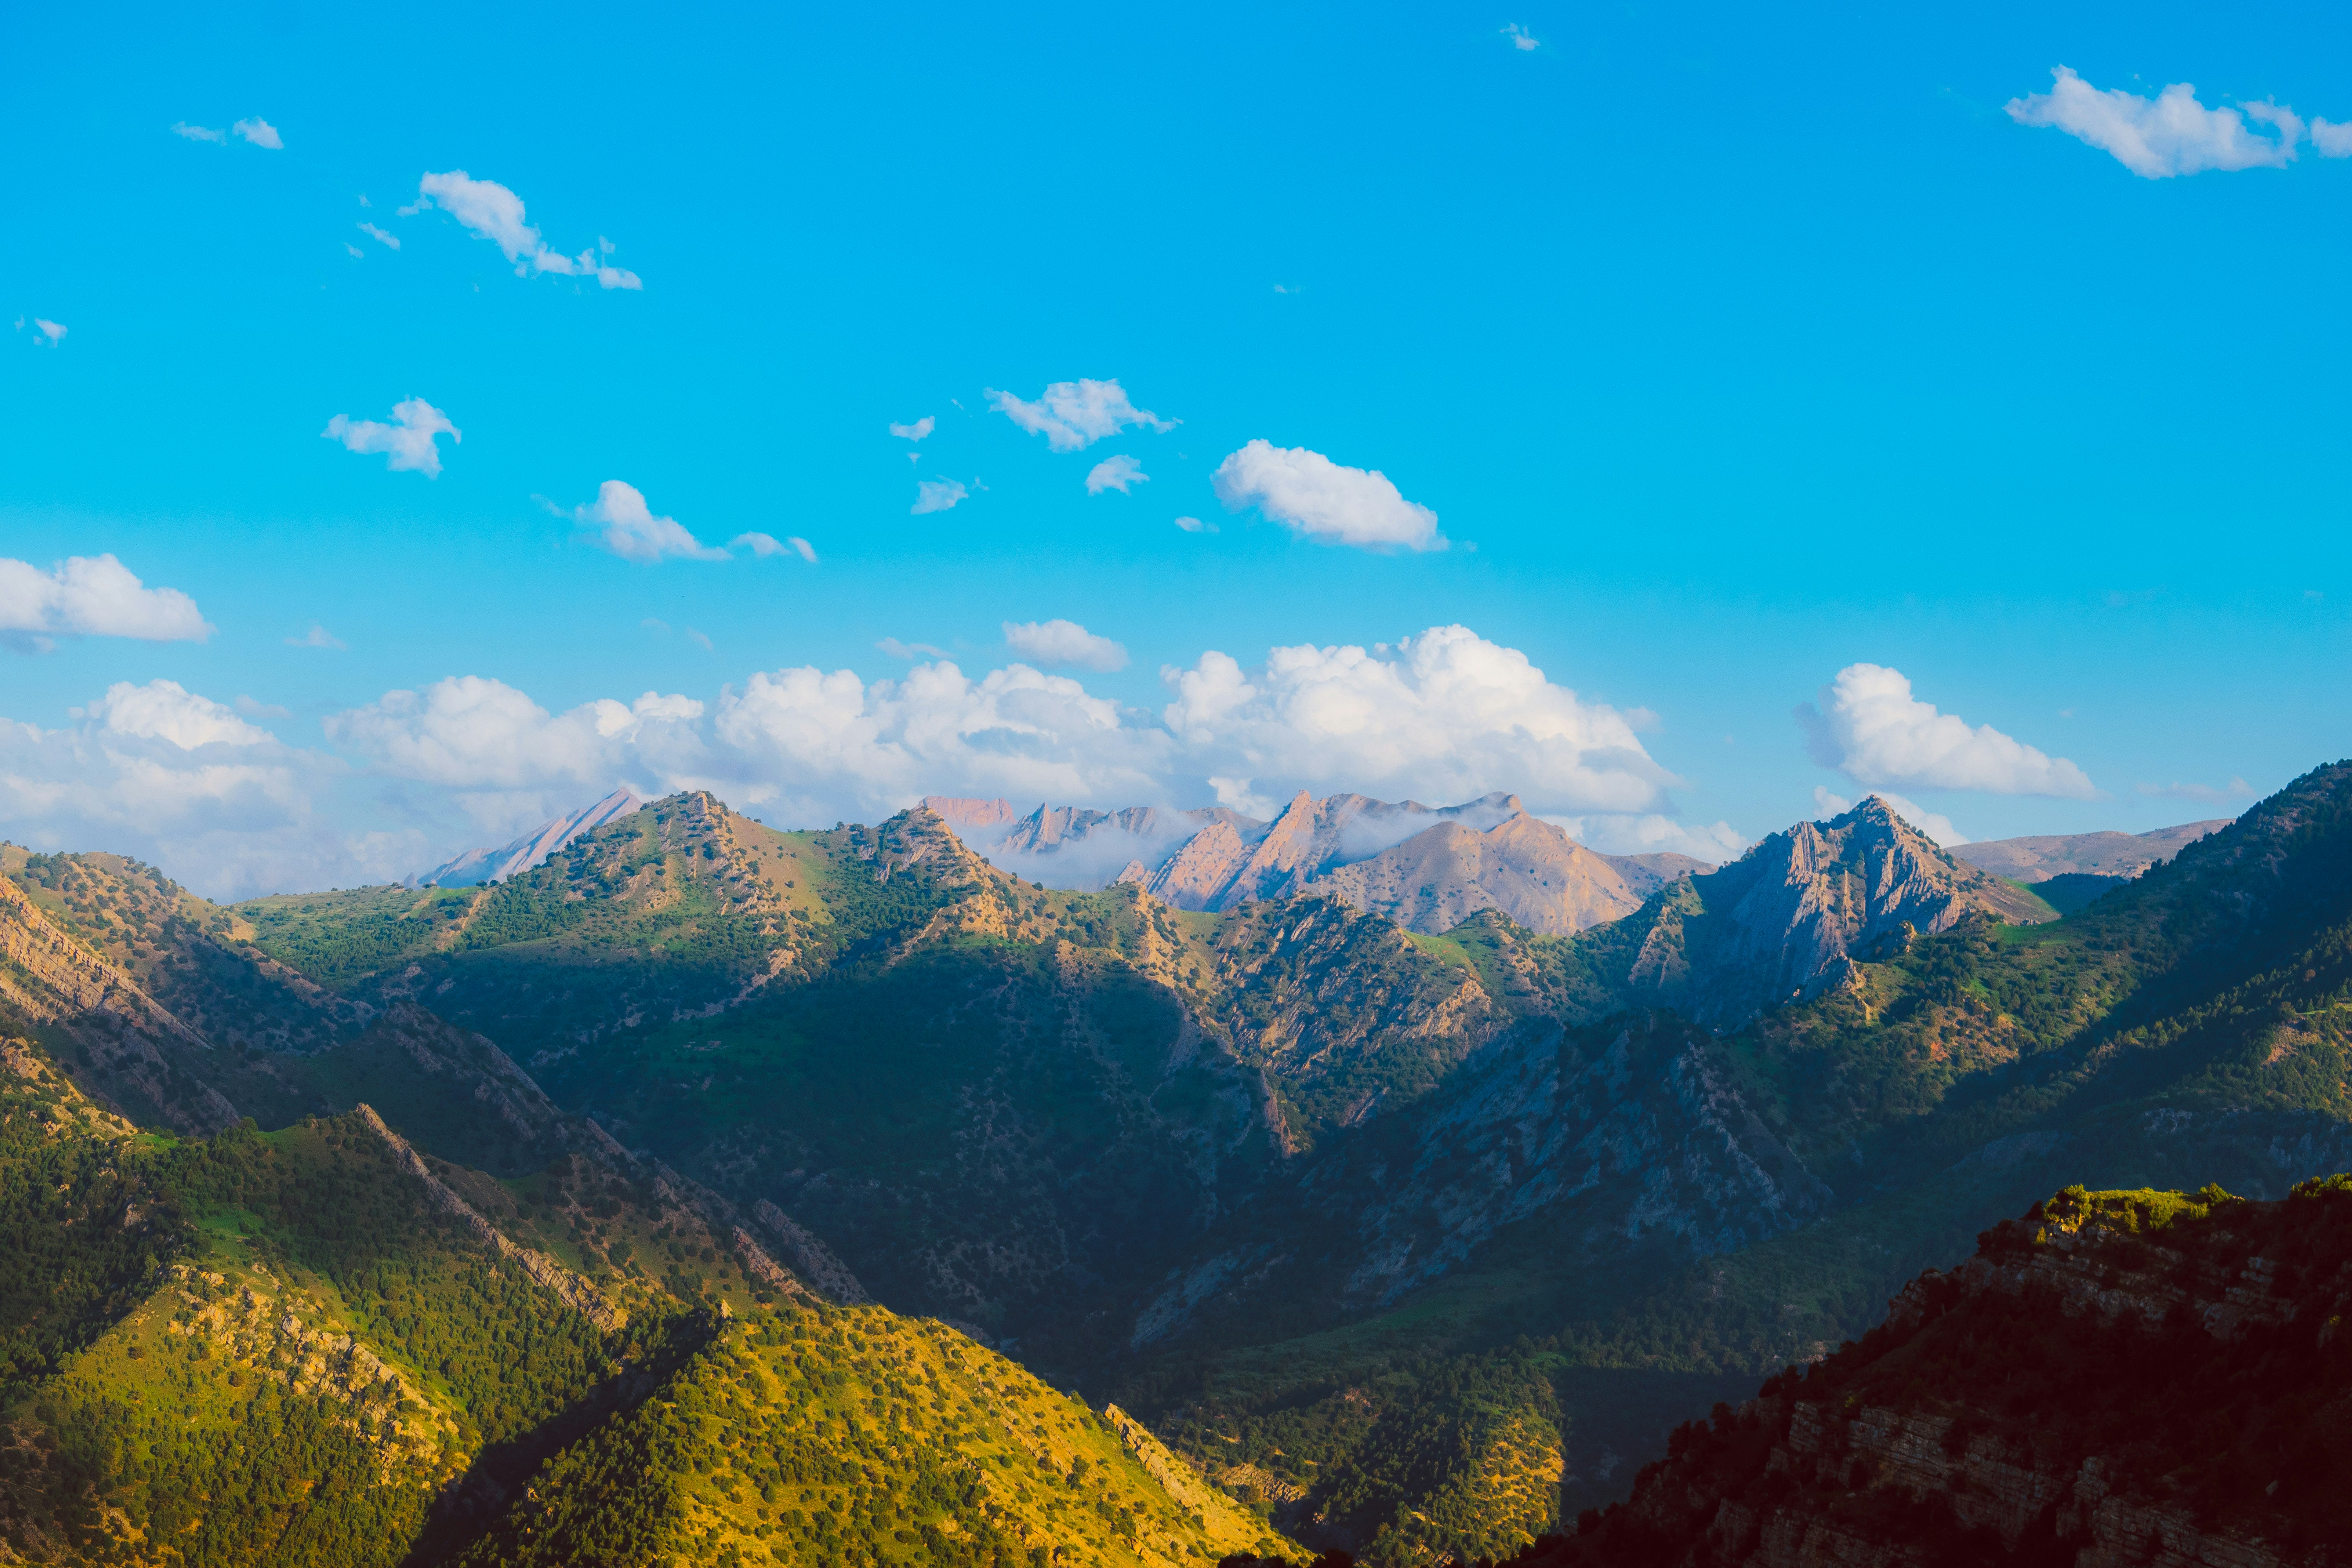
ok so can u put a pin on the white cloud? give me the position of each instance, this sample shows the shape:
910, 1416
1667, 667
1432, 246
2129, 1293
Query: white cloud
917, 431
90, 596
407, 441
44, 328
627, 527
496, 214
2331, 140
898, 649
1869, 727
318, 637
166, 710
2203, 795
1521, 38
379, 235
260, 132
2169, 134
1063, 644
1121, 473
254, 708
1935, 824
1072, 414
698, 639
766, 544
1194, 526
177, 779
936, 494
1318, 499
199, 133
357, 254
814, 747
1652, 833
1444, 716
482, 736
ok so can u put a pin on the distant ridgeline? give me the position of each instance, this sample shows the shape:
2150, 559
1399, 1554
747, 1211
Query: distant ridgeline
1407, 1229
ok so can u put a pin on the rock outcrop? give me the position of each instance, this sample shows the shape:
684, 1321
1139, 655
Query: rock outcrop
2119, 1379
477, 865
1525, 866
2044, 855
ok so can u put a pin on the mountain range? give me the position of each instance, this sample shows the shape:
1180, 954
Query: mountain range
1325, 1229
477, 865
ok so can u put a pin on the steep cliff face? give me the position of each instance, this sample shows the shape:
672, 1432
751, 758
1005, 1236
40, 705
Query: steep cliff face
2117, 1379
1309, 837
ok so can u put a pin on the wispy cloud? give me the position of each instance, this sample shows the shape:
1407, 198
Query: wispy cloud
917, 431
1330, 503
936, 494
766, 544
1521, 39
1194, 526
1072, 414
2203, 795
623, 523
317, 637
496, 214
89, 595
898, 649
46, 332
2171, 133
1869, 727
379, 235
1063, 644
260, 132
407, 442
199, 133
1121, 473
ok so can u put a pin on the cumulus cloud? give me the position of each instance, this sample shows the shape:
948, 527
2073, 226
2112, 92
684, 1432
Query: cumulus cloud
1868, 726
936, 494
1444, 716
915, 432
766, 544
260, 132
1521, 38
1072, 414
1121, 473
1935, 824
496, 214
2168, 134
318, 637
199, 133
480, 735
623, 523
379, 235
176, 779
1318, 499
89, 595
2331, 140
407, 442
1063, 644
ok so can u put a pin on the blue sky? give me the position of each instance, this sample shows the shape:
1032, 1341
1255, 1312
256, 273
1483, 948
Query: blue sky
1729, 352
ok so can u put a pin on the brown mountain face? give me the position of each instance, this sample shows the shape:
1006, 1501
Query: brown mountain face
2117, 1379
1525, 866
1786, 920
2039, 859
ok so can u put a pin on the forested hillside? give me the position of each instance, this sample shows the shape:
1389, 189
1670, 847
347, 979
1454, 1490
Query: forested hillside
1408, 1243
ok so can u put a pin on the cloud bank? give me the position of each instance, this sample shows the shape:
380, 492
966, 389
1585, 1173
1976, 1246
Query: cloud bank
1868, 726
